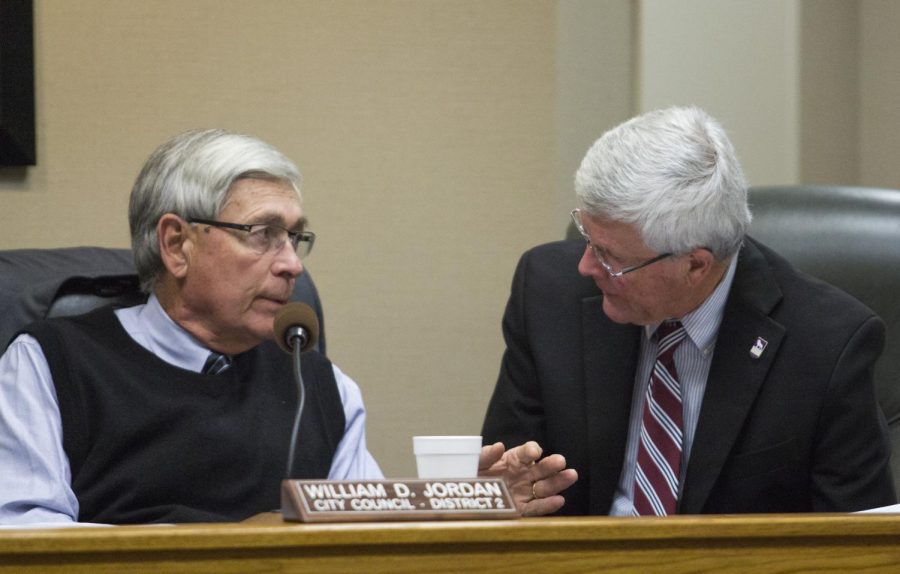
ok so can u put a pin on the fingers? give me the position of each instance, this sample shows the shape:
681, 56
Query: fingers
528, 453
542, 506
514, 464
534, 483
549, 466
554, 484
545, 497
490, 455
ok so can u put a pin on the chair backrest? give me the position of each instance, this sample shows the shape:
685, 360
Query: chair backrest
37, 283
849, 237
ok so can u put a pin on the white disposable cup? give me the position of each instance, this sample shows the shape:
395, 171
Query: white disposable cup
447, 456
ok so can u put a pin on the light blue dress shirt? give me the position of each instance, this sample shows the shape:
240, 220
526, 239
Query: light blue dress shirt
693, 358
35, 478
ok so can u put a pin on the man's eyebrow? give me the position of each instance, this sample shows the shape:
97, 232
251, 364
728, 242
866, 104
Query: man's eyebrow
609, 253
276, 219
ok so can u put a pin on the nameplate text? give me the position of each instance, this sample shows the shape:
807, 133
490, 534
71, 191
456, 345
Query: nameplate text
384, 500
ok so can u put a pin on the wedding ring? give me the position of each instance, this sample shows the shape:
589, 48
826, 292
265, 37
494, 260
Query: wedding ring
534, 495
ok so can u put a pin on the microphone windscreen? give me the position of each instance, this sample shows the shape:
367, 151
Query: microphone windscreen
296, 315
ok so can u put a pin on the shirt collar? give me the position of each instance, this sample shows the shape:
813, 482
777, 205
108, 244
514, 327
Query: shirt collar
151, 327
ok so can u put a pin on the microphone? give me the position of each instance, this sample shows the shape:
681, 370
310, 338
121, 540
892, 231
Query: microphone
296, 331
296, 321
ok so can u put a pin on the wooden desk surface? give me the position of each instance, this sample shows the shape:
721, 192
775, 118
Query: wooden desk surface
752, 543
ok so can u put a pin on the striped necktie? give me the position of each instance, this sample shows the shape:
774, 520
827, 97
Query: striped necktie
216, 363
659, 450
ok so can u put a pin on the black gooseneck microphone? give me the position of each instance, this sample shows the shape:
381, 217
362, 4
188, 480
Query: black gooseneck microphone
296, 331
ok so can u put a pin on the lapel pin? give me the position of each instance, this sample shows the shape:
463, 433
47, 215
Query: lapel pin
758, 347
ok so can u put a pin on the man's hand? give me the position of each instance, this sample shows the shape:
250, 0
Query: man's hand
534, 485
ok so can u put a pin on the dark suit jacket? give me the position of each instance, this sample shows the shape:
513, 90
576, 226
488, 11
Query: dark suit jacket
796, 430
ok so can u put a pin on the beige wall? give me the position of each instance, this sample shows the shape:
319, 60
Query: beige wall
828, 145
879, 72
737, 60
437, 140
808, 89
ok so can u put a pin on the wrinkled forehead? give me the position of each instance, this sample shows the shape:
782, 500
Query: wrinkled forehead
612, 234
607, 226
265, 200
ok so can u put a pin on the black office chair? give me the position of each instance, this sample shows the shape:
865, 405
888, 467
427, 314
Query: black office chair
37, 283
849, 237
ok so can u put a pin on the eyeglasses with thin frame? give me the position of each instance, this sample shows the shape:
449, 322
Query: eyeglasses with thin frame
263, 238
601, 258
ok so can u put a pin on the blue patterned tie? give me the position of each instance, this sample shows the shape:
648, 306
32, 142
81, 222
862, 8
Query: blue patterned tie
659, 450
216, 363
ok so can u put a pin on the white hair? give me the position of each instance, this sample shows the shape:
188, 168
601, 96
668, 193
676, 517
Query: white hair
674, 175
190, 175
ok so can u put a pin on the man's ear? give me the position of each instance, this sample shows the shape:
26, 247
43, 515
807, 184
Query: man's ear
700, 264
175, 244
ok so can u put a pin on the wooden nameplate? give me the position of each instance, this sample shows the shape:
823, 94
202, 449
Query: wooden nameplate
400, 499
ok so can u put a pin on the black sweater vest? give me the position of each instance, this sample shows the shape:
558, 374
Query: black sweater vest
150, 442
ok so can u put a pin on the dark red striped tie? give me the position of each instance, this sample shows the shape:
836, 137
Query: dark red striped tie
659, 449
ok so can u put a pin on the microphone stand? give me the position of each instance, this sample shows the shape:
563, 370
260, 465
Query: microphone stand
297, 338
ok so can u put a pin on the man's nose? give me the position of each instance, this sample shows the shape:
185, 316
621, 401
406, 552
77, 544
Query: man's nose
287, 261
588, 266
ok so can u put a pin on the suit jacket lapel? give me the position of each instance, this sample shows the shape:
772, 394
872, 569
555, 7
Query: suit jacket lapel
609, 370
735, 375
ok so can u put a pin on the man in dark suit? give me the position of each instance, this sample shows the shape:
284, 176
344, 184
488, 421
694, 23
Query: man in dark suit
761, 399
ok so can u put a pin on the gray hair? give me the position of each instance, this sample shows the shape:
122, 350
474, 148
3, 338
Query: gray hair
674, 175
190, 175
